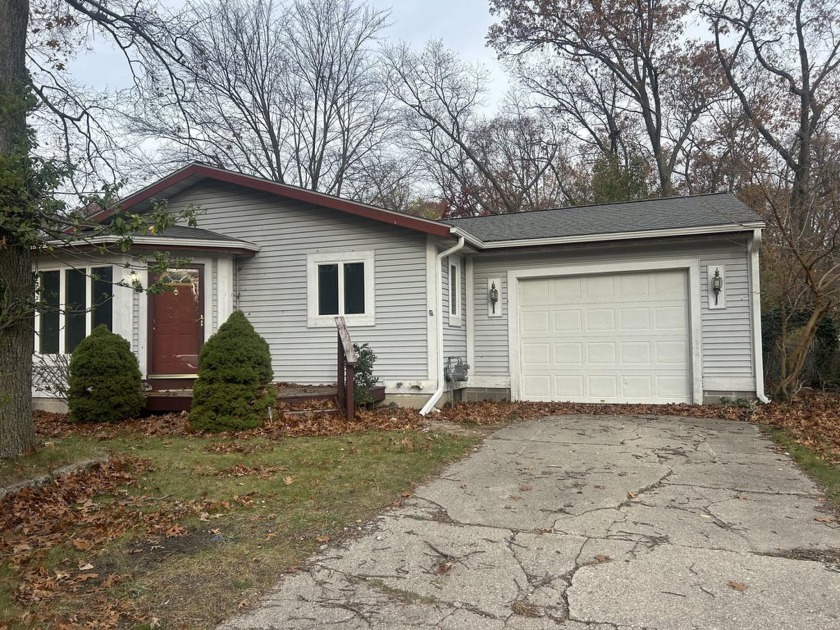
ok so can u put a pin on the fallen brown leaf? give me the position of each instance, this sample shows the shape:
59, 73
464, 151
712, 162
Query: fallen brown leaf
738, 586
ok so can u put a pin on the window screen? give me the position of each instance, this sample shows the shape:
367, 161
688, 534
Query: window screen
75, 311
50, 299
103, 292
328, 289
354, 288
453, 289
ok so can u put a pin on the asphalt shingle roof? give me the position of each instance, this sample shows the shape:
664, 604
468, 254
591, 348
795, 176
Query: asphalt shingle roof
721, 209
185, 232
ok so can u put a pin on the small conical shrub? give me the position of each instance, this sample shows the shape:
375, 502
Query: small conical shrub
104, 381
234, 389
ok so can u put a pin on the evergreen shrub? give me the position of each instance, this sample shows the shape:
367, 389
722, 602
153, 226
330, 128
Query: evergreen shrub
363, 379
234, 389
104, 382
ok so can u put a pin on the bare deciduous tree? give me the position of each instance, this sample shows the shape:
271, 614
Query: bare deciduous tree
289, 92
478, 164
607, 65
792, 48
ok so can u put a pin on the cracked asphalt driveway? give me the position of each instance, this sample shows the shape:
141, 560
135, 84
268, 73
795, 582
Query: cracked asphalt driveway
586, 522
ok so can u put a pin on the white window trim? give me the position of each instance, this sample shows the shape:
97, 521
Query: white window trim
313, 319
456, 318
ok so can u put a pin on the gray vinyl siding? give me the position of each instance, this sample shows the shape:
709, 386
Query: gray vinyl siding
271, 287
454, 337
726, 335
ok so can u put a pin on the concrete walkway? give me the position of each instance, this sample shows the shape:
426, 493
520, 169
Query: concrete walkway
587, 522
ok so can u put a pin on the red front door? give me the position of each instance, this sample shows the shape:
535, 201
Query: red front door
176, 322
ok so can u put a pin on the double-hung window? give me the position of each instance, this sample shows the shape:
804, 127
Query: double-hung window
340, 284
73, 303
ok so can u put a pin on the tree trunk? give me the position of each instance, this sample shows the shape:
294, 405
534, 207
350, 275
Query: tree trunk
793, 360
17, 433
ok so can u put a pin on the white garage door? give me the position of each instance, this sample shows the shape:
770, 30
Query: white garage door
605, 338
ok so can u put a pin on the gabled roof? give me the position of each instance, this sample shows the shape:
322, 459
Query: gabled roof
672, 216
195, 173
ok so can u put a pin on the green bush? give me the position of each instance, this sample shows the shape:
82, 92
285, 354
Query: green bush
234, 389
104, 379
363, 379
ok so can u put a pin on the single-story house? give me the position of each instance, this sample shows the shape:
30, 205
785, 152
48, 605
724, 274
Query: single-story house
648, 302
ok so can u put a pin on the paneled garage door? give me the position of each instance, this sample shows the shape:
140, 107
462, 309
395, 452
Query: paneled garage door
605, 338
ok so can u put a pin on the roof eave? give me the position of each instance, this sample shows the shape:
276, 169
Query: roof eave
163, 243
203, 171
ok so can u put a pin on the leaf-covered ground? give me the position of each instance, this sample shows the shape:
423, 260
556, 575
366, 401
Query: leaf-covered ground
813, 419
98, 548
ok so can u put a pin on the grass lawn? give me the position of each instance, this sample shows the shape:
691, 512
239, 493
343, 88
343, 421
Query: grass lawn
181, 531
822, 471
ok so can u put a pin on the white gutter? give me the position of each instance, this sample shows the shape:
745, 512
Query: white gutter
755, 306
430, 404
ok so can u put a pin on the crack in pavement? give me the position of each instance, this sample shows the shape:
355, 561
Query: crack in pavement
535, 535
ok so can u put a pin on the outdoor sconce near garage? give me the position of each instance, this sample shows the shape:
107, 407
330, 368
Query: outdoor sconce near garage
717, 288
493, 307
717, 285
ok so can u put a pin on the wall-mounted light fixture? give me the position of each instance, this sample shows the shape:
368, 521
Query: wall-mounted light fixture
132, 280
716, 275
494, 307
717, 285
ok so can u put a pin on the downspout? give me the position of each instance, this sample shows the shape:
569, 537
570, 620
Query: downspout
439, 307
755, 307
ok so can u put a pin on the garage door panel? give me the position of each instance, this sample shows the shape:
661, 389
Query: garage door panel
638, 387
601, 353
536, 355
635, 319
600, 319
636, 353
568, 353
671, 385
536, 292
567, 388
599, 287
538, 388
536, 322
671, 318
612, 338
671, 353
568, 321
603, 386
634, 287
669, 284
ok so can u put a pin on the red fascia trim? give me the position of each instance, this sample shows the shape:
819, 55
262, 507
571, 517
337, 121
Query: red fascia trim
274, 188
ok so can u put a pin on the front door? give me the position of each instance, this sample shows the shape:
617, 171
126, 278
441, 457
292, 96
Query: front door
176, 322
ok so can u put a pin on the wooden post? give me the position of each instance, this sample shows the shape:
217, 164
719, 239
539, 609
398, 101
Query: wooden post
351, 403
345, 370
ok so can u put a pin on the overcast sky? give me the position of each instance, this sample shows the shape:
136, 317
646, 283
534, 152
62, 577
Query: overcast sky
461, 24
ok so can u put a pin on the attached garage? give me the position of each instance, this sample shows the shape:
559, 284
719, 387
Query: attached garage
605, 338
